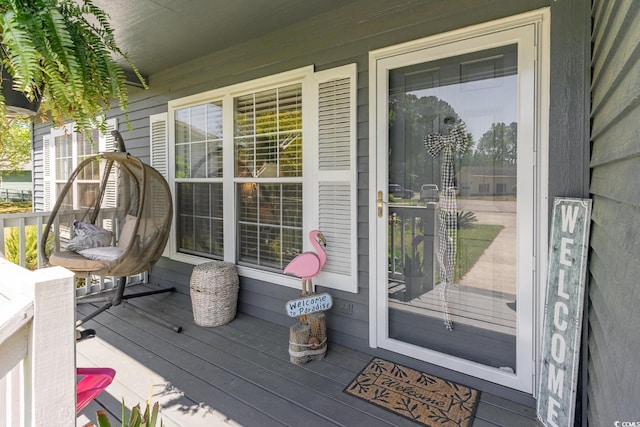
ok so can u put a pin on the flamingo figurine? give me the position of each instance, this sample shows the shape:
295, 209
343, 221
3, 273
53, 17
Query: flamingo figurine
308, 264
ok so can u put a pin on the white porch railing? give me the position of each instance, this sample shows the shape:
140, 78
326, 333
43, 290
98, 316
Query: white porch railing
37, 346
20, 221
26, 225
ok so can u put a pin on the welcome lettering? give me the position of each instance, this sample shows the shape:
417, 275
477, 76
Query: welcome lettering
563, 311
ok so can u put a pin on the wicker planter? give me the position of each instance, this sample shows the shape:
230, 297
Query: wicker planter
214, 293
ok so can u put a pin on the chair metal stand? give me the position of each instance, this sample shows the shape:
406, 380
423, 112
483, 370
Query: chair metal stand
120, 298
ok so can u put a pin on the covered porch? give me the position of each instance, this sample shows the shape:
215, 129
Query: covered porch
235, 374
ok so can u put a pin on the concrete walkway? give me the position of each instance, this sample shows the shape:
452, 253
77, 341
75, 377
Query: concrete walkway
496, 268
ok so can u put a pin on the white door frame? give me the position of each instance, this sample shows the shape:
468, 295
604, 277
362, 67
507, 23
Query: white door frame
531, 32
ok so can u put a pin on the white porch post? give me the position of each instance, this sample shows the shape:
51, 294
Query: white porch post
41, 333
52, 352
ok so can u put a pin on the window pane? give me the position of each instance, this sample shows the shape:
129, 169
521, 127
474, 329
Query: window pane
214, 159
200, 225
199, 141
67, 202
64, 156
86, 147
247, 243
203, 236
198, 124
291, 154
185, 234
290, 104
291, 244
270, 247
182, 161
245, 162
185, 199
266, 157
88, 193
266, 237
271, 146
292, 205
91, 171
214, 121
201, 203
248, 206
182, 125
243, 116
266, 111
198, 160
269, 199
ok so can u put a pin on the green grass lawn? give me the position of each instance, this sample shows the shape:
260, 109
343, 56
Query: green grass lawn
14, 207
472, 243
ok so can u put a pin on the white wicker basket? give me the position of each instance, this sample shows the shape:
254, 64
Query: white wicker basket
214, 293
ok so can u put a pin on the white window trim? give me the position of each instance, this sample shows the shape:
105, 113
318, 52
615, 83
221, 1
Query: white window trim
306, 76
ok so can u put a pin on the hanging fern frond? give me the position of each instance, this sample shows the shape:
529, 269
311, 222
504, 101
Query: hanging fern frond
64, 52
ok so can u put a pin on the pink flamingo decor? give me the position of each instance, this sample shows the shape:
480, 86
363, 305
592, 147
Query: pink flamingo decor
308, 264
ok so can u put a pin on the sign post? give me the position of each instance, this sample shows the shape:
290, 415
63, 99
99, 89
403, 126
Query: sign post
308, 337
563, 311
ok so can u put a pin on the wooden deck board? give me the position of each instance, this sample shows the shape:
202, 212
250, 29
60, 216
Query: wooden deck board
236, 374
187, 371
266, 347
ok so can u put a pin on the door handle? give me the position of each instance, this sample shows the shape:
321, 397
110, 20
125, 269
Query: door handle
380, 203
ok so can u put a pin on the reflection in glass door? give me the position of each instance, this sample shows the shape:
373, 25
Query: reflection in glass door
459, 228
452, 237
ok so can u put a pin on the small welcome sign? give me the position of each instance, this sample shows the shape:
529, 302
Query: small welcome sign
563, 311
309, 304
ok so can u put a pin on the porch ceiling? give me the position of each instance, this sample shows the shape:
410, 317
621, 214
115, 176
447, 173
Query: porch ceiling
160, 34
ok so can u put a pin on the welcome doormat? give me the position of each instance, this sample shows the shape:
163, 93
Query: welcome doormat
421, 397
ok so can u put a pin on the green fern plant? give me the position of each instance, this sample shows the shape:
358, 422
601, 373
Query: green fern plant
64, 53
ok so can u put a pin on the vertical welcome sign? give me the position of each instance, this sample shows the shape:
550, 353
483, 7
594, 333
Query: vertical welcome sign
563, 311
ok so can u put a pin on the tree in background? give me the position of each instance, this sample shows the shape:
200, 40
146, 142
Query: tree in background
15, 144
411, 118
498, 146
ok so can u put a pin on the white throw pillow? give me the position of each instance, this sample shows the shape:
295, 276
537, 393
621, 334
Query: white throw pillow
108, 253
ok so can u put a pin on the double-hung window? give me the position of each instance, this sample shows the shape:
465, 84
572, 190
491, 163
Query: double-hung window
63, 151
255, 166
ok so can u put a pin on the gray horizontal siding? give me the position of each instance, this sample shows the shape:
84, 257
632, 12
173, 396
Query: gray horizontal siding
614, 341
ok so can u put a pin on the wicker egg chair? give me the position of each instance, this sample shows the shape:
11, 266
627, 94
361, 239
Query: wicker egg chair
117, 228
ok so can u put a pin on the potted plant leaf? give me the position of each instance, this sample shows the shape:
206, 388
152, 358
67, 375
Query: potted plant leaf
63, 54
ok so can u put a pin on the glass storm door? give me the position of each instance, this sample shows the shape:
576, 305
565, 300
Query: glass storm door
455, 225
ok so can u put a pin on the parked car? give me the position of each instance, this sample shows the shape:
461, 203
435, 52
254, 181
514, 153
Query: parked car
397, 190
429, 193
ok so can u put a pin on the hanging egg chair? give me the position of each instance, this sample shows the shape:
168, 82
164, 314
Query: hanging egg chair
112, 218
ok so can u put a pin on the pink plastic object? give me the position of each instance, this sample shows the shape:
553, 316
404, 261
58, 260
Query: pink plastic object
308, 264
92, 383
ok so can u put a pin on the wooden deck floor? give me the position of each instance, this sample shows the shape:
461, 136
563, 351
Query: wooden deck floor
236, 374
